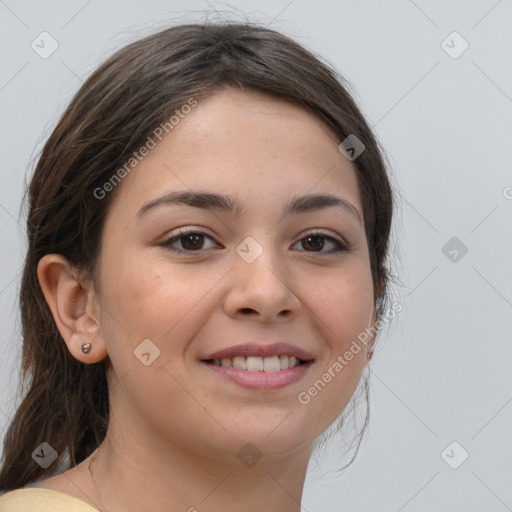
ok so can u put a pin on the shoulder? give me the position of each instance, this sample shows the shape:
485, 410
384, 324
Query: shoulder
41, 500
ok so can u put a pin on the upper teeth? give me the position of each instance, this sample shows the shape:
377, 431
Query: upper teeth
259, 364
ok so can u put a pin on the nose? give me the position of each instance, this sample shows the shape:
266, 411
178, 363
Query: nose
262, 289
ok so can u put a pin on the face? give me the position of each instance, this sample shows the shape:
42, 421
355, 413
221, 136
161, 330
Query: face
243, 287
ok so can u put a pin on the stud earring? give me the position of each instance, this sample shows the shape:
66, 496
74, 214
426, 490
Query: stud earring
86, 348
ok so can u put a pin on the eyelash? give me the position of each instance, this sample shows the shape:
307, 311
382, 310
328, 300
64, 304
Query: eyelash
341, 247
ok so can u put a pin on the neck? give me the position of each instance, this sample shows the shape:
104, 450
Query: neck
132, 475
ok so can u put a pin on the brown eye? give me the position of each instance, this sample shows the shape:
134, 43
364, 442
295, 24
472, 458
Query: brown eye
316, 242
190, 241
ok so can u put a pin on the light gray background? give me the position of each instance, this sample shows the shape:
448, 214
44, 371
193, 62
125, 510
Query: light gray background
442, 372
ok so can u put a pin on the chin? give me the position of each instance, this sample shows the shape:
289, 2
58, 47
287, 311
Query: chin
276, 433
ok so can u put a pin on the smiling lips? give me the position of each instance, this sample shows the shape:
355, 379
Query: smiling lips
261, 367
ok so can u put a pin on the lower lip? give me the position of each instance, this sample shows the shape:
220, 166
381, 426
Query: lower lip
262, 380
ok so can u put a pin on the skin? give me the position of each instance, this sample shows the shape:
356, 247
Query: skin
175, 425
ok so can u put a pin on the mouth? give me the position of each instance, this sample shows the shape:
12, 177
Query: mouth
260, 367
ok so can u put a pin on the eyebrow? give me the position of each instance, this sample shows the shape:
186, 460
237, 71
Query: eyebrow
228, 204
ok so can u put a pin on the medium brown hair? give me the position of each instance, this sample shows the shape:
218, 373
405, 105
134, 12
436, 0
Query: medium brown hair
66, 402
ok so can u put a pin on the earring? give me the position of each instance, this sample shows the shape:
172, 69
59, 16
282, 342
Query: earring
86, 348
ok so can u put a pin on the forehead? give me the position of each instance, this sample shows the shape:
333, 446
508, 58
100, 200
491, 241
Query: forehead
247, 144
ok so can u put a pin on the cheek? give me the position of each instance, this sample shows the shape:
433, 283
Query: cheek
157, 300
344, 311
345, 305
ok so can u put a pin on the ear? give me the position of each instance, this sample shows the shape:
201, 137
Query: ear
74, 307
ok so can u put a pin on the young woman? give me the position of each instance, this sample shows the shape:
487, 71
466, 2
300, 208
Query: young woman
206, 274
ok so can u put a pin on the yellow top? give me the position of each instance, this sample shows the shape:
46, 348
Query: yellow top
41, 500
